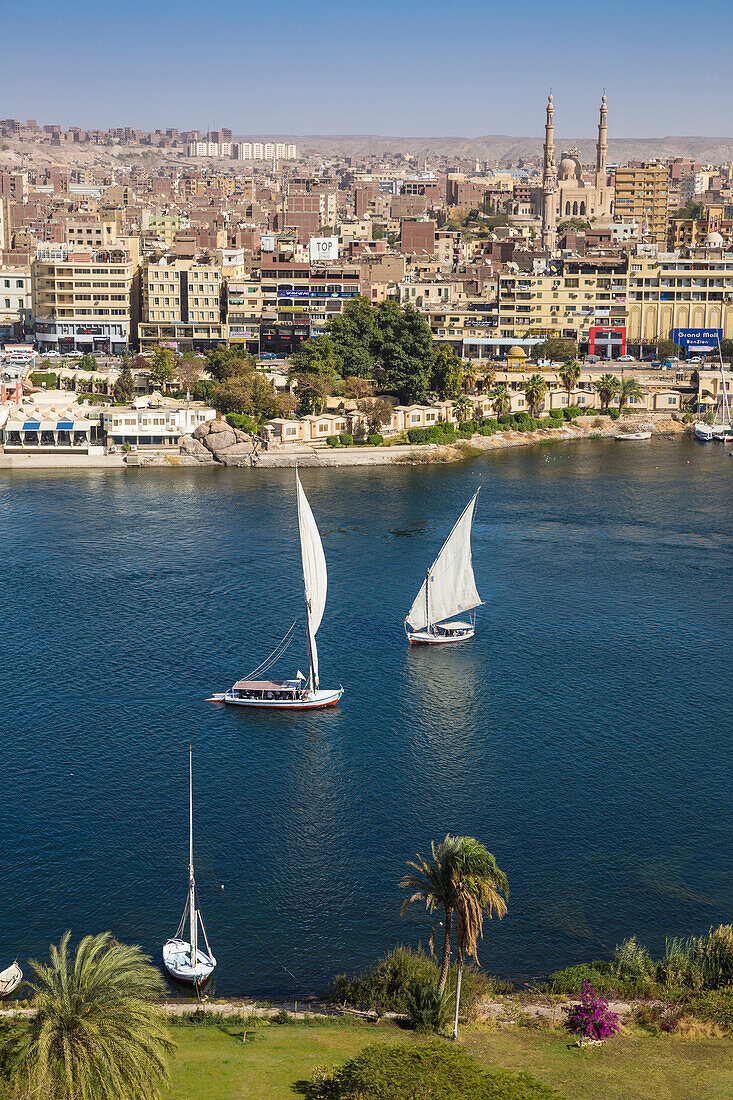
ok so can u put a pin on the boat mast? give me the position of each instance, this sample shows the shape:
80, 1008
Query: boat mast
192, 914
427, 601
726, 406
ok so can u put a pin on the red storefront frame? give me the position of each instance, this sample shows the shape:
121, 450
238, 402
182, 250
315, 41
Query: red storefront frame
606, 328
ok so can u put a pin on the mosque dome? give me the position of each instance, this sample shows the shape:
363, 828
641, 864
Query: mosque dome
714, 240
568, 169
517, 353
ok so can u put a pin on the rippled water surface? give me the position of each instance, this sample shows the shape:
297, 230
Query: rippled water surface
584, 734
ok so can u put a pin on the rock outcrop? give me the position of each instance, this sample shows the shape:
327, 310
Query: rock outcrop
217, 441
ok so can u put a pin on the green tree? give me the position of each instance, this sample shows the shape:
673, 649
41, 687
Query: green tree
556, 348
480, 888
445, 376
469, 378
431, 882
357, 388
726, 349
234, 395
569, 374
355, 338
378, 412
97, 1031
501, 400
88, 362
462, 408
124, 388
487, 377
535, 389
223, 363
667, 348
162, 367
312, 392
405, 350
691, 211
629, 390
317, 357
607, 387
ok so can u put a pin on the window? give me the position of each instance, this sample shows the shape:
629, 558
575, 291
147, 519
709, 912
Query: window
7, 303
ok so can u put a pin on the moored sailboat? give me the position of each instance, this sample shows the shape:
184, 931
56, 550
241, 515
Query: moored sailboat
10, 979
184, 959
449, 589
721, 429
300, 693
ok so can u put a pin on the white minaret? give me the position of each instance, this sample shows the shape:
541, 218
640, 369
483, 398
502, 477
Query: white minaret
602, 146
549, 181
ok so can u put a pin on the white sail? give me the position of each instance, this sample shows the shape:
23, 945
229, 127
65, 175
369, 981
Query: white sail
315, 577
449, 587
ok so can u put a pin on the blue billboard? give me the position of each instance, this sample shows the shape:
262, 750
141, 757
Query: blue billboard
697, 339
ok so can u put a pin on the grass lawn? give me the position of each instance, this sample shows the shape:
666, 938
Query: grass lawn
213, 1064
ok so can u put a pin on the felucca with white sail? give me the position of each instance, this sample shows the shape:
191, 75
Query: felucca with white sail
300, 693
721, 429
184, 959
449, 589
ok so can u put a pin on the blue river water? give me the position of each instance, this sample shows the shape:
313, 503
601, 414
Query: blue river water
584, 734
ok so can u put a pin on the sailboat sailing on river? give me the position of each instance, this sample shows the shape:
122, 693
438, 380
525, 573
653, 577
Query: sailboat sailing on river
300, 693
449, 589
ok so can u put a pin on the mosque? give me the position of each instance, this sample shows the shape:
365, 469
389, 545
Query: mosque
564, 193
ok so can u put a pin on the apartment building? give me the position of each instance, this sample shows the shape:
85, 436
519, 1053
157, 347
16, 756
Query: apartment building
181, 303
243, 312
85, 300
16, 301
668, 293
642, 196
90, 233
712, 229
586, 301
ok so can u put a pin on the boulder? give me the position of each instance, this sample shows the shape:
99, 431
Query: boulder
194, 449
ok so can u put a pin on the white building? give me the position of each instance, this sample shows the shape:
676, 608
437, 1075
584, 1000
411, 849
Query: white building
152, 424
16, 305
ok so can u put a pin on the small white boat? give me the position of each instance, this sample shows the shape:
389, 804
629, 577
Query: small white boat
184, 959
449, 588
703, 432
300, 693
631, 437
10, 979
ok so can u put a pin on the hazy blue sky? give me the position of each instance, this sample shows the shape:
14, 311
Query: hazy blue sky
405, 67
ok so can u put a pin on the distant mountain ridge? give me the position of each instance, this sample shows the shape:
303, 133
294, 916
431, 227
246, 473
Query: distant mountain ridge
707, 150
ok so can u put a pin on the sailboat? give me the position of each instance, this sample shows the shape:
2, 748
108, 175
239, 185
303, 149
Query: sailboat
301, 693
449, 588
10, 979
184, 959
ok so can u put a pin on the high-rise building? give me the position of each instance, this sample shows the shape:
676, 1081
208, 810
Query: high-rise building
641, 195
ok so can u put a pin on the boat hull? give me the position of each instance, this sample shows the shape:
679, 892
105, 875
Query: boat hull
322, 698
704, 433
632, 437
175, 954
10, 979
427, 637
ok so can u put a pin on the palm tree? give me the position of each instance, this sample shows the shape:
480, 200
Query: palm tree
468, 377
501, 400
607, 387
629, 390
535, 389
97, 1033
487, 377
569, 374
432, 882
479, 887
462, 408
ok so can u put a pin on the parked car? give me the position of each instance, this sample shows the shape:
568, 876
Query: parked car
625, 359
695, 359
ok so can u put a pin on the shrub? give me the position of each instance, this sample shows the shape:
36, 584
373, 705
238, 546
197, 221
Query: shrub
556, 414
486, 430
714, 1006
657, 1018
242, 421
347, 440
43, 378
384, 987
591, 1019
333, 440
571, 412
374, 439
632, 960
506, 420
572, 979
432, 1071
614, 413
428, 1009
416, 435
489, 422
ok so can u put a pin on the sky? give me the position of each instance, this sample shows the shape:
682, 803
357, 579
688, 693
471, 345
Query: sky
423, 68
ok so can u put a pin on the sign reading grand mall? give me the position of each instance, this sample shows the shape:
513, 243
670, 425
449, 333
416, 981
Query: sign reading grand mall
701, 339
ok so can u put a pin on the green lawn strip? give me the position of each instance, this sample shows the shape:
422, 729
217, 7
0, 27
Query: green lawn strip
645, 1067
213, 1064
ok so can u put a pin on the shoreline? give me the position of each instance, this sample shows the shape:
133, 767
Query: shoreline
598, 427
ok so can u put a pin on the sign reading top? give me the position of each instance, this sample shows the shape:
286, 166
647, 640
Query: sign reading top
324, 248
701, 339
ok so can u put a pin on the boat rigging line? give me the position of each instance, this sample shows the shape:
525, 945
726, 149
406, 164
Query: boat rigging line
277, 652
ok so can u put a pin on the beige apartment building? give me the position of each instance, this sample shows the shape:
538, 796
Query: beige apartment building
85, 300
91, 233
16, 301
642, 196
181, 303
668, 293
243, 312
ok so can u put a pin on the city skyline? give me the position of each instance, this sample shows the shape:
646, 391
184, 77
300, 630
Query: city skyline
416, 73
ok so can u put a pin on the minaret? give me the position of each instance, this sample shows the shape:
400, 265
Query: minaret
549, 181
602, 146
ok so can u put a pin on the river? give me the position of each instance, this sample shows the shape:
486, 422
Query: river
583, 735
